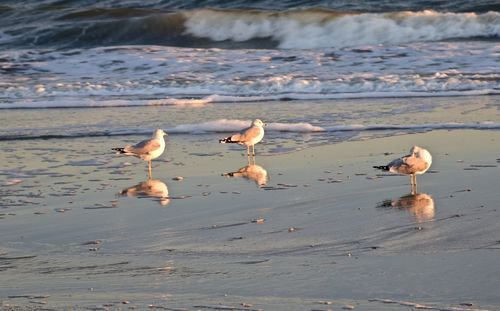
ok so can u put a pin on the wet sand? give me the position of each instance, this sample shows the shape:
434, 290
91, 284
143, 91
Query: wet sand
323, 231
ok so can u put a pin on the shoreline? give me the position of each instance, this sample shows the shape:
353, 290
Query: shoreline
204, 100
290, 122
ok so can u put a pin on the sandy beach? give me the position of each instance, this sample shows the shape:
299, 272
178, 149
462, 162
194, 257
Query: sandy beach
326, 231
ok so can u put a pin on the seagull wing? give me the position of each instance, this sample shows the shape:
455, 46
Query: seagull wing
250, 133
407, 165
414, 164
144, 147
395, 165
240, 136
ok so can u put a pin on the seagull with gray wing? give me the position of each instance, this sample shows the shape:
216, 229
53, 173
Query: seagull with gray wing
248, 136
146, 150
416, 163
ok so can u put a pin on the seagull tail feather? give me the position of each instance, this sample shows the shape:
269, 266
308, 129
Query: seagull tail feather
227, 140
382, 167
119, 150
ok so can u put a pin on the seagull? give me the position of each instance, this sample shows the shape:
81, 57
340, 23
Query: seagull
249, 136
416, 163
146, 150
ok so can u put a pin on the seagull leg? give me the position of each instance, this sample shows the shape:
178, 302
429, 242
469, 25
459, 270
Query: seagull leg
253, 152
149, 170
413, 184
248, 155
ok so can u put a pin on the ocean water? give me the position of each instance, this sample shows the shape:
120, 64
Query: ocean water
193, 54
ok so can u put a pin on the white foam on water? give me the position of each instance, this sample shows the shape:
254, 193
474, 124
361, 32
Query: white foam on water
151, 75
215, 126
214, 99
234, 125
487, 125
183, 102
310, 29
228, 125
302, 127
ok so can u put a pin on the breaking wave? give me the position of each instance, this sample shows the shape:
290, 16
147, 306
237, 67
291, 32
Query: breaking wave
305, 28
323, 29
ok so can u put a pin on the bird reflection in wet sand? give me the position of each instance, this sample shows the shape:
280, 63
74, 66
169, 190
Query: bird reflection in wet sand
252, 172
149, 188
419, 205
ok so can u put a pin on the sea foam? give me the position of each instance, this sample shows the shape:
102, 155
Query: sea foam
236, 125
310, 29
487, 125
166, 76
228, 125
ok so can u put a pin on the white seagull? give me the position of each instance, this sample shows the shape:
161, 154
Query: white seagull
146, 150
416, 163
248, 136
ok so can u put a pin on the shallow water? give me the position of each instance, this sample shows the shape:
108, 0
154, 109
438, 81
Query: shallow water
305, 121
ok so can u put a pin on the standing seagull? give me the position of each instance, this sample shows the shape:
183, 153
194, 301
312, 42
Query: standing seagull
146, 150
416, 163
249, 136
